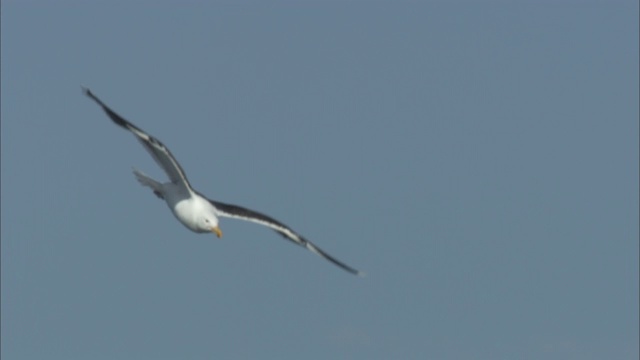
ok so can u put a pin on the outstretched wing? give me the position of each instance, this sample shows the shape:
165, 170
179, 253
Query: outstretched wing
238, 212
156, 149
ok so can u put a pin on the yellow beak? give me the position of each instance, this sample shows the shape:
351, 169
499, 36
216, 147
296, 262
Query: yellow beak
216, 230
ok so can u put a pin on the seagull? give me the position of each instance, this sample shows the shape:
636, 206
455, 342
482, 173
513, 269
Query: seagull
191, 208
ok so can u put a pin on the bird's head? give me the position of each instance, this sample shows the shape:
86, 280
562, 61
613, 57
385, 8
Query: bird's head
209, 223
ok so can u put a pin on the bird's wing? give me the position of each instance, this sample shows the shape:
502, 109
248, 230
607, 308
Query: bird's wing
238, 212
156, 149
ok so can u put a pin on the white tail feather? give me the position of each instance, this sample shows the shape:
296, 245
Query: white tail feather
147, 181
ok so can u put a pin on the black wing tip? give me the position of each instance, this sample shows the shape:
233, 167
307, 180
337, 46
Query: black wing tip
313, 248
87, 91
119, 120
355, 272
360, 273
346, 267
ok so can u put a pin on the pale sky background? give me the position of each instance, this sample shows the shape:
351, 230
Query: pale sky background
478, 159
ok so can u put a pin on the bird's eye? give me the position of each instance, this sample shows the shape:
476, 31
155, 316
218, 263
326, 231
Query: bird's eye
206, 220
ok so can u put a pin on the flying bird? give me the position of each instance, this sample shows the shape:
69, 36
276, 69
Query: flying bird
191, 208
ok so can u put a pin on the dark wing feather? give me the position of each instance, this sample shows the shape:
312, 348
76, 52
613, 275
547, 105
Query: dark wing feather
154, 147
239, 212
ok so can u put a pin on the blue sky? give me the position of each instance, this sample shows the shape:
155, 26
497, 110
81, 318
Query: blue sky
479, 160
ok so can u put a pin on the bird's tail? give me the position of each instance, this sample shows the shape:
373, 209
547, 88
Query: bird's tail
147, 181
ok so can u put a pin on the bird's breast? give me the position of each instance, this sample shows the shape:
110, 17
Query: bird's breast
184, 212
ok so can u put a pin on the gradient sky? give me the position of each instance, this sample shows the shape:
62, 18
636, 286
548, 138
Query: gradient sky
479, 160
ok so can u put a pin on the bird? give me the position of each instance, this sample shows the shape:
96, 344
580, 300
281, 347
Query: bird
195, 211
